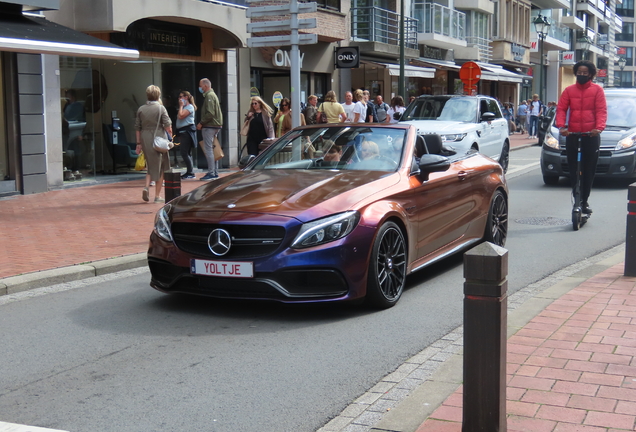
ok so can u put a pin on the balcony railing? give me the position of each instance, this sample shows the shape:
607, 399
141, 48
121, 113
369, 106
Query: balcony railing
483, 47
559, 32
438, 19
373, 24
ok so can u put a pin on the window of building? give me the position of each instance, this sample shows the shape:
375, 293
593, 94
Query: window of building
628, 33
629, 56
333, 5
4, 148
625, 9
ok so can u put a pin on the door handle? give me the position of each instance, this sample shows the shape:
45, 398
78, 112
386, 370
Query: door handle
462, 175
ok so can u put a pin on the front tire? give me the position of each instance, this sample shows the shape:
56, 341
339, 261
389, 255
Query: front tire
497, 223
504, 157
550, 180
387, 267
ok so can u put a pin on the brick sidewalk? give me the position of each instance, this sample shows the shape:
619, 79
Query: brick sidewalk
572, 367
76, 225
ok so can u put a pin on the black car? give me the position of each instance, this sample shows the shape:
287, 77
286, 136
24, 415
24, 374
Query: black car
617, 156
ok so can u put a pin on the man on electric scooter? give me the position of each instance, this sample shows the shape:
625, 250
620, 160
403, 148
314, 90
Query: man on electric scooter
582, 109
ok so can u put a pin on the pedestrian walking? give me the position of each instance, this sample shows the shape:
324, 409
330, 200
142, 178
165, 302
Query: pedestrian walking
397, 107
330, 111
372, 116
536, 110
360, 108
152, 120
311, 110
210, 125
283, 119
187, 131
381, 109
522, 112
348, 107
260, 124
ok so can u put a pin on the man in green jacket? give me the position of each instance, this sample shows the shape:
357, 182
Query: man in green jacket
210, 125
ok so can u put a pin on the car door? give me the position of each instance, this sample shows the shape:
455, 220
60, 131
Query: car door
486, 130
499, 131
444, 207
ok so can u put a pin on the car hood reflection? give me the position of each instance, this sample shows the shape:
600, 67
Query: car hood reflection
286, 192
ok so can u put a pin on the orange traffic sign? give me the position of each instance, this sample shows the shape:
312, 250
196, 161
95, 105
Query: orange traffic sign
470, 73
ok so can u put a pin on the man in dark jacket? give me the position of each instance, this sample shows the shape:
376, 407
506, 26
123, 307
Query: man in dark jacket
584, 108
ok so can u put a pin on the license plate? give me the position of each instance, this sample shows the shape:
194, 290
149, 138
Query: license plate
237, 269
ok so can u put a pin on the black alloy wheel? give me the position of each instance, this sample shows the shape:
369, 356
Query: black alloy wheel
387, 268
497, 223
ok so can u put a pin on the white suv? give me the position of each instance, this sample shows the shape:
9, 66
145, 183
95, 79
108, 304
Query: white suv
466, 123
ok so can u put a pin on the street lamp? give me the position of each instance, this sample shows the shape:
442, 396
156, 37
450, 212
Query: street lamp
622, 61
585, 43
541, 26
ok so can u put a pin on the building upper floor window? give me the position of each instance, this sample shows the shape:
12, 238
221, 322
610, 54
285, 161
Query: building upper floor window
626, 9
628, 33
333, 5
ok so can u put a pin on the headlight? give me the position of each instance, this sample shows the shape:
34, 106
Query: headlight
551, 141
326, 229
453, 137
162, 224
626, 143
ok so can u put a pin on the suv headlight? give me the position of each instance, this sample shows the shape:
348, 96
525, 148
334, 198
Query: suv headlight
453, 137
551, 141
162, 223
326, 229
626, 143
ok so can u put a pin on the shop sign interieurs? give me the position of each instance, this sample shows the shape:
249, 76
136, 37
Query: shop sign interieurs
160, 36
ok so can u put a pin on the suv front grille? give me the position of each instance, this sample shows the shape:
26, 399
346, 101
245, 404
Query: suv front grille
248, 241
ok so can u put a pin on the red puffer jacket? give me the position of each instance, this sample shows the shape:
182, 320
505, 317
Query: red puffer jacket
587, 105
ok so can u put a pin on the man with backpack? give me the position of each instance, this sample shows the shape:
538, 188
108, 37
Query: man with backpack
381, 109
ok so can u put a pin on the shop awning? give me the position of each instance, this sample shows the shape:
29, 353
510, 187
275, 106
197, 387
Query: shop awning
34, 34
438, 64
494, 73
410, 71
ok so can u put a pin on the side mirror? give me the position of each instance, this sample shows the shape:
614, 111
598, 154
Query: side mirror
488, 116
245, 160
430, 163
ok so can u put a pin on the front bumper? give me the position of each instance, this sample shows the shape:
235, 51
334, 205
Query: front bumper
334, 271
610, 164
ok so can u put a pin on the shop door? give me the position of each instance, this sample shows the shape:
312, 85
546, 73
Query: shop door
273, 82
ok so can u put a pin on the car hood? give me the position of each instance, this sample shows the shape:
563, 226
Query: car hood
301, 194
612, 135
441, 127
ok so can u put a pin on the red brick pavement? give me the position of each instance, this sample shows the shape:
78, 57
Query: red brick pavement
76, 225
572, 368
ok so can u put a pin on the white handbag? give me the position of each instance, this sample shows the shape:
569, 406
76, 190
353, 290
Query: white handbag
161, 144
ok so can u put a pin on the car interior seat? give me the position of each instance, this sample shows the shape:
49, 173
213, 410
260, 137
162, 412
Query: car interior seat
420, 146
433, 144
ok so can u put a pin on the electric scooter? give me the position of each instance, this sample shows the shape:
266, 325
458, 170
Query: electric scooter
578, 217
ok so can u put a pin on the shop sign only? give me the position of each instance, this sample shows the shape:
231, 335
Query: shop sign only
347, 57
281, 59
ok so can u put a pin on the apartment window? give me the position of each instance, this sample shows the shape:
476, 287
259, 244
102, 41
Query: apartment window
626, 9
628, 33
333, 5
629, 56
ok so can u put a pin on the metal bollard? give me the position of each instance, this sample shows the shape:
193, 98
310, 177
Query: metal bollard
173, 185
485, 333
630, 238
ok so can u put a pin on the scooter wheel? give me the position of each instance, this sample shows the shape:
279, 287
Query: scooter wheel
576, 219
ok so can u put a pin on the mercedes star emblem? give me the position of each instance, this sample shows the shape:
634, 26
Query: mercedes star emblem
219, 242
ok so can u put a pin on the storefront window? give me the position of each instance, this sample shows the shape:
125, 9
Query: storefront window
100, 99
4, 146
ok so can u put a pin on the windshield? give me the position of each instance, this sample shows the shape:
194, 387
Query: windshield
336, 147
443, 108
621, 111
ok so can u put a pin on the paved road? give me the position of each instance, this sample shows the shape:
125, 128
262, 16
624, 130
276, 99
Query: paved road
116, 355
